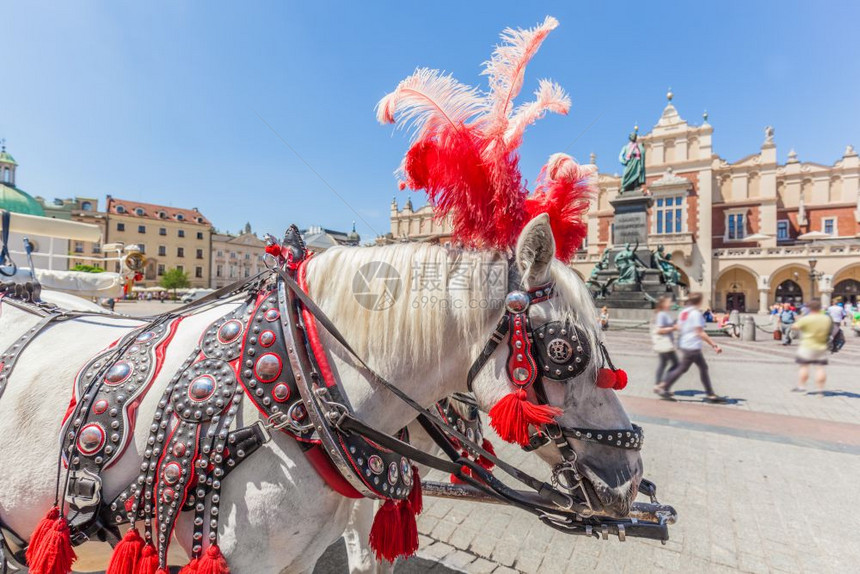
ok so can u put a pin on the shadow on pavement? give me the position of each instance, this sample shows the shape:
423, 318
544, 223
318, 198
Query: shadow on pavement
695, 393
846, 394
333, 561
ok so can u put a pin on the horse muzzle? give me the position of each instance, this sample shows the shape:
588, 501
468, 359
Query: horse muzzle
611, 491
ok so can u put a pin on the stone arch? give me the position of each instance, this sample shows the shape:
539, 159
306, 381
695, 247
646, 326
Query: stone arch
846, 284
790, 284
737, 289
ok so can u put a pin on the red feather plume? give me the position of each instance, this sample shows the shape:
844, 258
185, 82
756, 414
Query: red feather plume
564, 191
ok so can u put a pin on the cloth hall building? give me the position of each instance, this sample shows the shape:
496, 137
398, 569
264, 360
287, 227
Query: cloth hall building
747, 233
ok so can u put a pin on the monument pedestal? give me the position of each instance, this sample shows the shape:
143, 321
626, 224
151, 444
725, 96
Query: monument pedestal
631, 228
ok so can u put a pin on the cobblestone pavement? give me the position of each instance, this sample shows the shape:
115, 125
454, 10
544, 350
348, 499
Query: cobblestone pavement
766, 483
752, 495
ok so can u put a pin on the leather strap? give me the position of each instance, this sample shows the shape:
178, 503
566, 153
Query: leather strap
5, 258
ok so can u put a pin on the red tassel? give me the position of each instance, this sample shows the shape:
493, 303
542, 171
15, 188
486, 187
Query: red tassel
385, 534
605, 378
42, 528
53, 553
486, 463
511, 417
620, 379
126, 554
416, 497
212, 562
148, 563
191, 567
408, 529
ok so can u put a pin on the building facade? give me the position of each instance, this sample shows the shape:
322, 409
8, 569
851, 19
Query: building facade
235, 257
169, 237
747, 233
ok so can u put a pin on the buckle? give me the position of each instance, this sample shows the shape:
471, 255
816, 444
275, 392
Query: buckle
85, 489
536, 441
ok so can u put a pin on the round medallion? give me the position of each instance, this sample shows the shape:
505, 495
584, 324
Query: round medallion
461, 426
393, 473
267, 338
230, 331
179, 450
119, 373
268, 367
172, 472
559, 351
521, 374
517, 301
272, 315
201, 388
168, 495
281, 392
374, 462
133, 350
144, 337
100, 406
406, 470
470, 434
91, 439
298, 413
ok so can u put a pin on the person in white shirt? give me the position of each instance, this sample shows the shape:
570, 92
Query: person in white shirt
691, 329
837, 313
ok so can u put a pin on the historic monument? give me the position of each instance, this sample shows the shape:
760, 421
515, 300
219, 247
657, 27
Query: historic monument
630, 275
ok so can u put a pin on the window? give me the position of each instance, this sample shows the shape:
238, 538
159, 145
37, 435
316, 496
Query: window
139, 211
247, 257
198, 272
199, 254
162, 231
232, 255
199, 235
179, 217
142, 247
180, 233
6, 173
219, 270
97, 248
669, 214
86, 206
782, 232
735, 226
162, 215
828, 226
162, 250
120, 226
141, 229
247, 271
120, 209
79, 246
220, 253
180, 252
181, 268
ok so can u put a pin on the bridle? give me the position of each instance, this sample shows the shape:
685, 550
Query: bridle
563, 357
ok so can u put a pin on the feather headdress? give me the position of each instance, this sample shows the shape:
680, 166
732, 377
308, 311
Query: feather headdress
464, 149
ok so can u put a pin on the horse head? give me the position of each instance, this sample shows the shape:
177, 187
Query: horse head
610, 474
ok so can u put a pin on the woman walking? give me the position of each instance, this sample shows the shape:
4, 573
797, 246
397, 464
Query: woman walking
662, 337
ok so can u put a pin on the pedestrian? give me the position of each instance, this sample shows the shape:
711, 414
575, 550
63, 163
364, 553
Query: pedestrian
662, 337
604, 318
691, 336
786, 319
837, 313
815, 329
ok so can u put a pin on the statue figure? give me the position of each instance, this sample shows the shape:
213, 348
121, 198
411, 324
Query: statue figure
628, 265
599, 266
632, 157
663, 262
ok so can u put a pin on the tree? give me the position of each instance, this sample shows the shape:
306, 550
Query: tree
175, 279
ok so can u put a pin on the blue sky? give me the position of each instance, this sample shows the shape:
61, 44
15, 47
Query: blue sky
162, 101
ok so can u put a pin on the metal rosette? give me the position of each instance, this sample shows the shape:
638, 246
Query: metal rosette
223, 338
104, 431
267, 375
563, 350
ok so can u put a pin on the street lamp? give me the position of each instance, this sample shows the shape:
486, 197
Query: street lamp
813, 276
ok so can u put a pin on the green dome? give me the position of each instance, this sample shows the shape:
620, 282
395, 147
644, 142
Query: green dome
6, 157
14, 200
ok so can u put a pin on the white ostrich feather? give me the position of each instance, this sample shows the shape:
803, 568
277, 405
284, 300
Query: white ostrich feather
549, 97
429, 101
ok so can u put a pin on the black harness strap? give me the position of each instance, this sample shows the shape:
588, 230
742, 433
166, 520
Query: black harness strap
5, 258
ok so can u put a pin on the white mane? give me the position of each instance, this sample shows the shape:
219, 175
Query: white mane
443, 292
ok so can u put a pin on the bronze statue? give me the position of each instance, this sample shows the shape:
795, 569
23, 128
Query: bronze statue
628, 265
632, 157
663, 262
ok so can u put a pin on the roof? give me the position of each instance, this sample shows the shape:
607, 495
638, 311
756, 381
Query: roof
18, 201
132, 208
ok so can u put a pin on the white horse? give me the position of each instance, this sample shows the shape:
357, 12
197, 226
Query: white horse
277, 514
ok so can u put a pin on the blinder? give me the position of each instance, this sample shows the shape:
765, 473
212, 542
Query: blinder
563, 351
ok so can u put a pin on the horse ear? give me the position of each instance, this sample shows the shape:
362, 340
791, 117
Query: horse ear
535, 250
